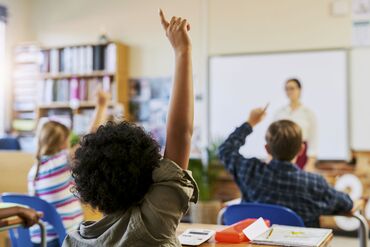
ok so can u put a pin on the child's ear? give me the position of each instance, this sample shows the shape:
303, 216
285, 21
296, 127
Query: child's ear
267, 147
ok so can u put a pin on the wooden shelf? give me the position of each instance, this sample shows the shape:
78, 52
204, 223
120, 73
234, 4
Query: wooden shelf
68, 76
43, 48
67, 105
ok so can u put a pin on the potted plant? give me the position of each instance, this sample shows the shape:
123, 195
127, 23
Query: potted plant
207, 208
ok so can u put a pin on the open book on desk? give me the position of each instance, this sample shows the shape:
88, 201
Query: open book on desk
294, 236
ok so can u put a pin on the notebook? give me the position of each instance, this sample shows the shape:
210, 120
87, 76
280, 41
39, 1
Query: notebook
294, 236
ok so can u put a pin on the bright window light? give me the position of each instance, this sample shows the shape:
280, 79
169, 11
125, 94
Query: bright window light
2, 69
2, 78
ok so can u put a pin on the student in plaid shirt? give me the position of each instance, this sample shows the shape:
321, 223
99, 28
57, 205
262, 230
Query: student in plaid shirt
281, 182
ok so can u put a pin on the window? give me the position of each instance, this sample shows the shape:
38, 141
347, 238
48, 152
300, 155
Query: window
3, 17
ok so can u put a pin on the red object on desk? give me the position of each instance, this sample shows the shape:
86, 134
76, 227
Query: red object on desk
234, 233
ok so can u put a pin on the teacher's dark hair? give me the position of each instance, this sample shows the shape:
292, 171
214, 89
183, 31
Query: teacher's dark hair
296, 81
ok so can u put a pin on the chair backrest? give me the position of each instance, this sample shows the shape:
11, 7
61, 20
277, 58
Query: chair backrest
50, 215
9, 143
276, 214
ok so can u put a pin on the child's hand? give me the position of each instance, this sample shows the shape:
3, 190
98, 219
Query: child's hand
102, 97
29, 216
177, 32
256, 116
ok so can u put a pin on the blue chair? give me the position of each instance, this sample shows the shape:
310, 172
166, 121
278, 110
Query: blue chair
9, 143
276, 214
21, 237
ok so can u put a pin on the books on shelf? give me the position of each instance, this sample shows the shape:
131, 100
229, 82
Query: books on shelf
25, 82
79, 59
73, 90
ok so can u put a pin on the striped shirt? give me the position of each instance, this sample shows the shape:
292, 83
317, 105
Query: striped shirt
53, 184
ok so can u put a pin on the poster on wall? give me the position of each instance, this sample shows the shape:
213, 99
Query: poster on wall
149, 104
361, 23
361, 10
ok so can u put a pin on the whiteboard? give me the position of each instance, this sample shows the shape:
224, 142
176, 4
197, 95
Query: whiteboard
360, 99
240, 83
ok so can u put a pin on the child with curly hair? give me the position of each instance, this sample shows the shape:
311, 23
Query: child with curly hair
50, 177
119, 170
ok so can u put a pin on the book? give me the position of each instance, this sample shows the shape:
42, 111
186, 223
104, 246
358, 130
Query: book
89, 59
74, 86
98, 57
23, 124
110, 58
294, 236
82, 90
54, 61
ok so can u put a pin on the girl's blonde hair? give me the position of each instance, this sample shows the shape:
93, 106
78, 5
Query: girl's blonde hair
51, 139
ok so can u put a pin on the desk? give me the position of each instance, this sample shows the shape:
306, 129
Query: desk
182, 227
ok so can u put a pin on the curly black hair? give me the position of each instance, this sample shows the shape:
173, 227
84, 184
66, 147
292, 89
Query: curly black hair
113, 167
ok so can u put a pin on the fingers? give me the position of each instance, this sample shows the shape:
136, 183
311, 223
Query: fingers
176, 23
184, 25
172, 22
164, 22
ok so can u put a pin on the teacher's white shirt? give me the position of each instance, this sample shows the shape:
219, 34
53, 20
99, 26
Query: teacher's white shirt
306, 119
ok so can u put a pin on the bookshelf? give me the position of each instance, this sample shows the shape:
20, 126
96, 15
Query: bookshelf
68, 77
24, 93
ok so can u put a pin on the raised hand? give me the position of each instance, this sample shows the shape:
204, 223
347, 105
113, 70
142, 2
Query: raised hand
177, 32
102, 97
180, 118
256, 116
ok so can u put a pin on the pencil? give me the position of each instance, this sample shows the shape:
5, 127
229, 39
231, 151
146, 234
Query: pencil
268, 236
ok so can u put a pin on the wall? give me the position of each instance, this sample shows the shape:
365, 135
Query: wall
244, 26
218, 27
134, 22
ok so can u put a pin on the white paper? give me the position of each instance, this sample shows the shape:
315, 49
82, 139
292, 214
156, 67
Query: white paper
361, 33
256, 229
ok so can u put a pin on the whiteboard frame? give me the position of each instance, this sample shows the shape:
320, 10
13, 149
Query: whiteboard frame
348, 73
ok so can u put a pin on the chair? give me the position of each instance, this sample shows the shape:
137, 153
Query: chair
22, 238
276, 214
17, 230
9, 143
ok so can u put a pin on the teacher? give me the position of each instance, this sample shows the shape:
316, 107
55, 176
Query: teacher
305, 118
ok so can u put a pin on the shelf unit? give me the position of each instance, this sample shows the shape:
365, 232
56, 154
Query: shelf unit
57, 73
24, 89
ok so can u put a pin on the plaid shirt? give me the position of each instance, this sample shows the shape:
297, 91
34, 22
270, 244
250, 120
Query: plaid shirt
281, 183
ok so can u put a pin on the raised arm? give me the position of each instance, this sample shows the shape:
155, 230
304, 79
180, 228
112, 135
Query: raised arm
100, 113
228, 152
181, 111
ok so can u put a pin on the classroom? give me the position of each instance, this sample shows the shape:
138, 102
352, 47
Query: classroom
184, 123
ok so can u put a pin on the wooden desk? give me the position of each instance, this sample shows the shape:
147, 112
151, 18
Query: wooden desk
182, 227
